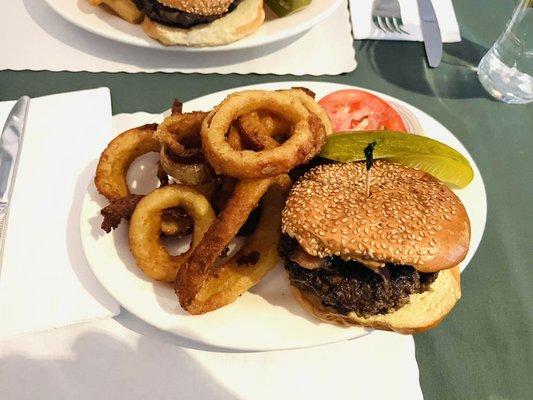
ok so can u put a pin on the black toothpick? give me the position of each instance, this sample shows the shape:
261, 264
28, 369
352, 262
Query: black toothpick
369, 157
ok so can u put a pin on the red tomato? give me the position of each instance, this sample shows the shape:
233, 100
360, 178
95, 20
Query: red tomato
357, 110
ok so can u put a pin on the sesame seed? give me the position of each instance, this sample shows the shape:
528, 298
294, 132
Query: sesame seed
397, 224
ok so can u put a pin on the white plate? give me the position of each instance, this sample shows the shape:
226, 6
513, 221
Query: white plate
100, 22
267, 317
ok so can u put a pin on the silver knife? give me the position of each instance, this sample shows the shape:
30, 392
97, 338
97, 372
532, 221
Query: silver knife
430, 32
10, 145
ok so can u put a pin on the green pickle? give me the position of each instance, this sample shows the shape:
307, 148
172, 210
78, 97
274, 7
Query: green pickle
420, 152
286, 7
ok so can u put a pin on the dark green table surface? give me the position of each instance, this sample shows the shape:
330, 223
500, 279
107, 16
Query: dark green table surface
484, 350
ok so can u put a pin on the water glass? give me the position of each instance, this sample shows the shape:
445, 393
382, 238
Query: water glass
506, 71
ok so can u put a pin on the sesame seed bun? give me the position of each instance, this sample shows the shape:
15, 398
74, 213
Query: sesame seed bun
243, 21
410, 217
424, 311
200, 7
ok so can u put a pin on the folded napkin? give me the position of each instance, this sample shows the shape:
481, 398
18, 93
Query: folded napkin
363, 28
49, 42
74, 363
45, 281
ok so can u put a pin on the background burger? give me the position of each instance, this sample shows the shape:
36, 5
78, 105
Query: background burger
192, 22
387, 261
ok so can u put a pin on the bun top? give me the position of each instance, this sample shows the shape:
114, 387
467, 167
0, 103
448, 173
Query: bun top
199, 7
410, 217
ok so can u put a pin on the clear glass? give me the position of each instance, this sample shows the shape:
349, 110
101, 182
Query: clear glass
506, 71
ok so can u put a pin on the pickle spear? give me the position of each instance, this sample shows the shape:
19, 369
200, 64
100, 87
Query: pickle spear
286, 7
420, 152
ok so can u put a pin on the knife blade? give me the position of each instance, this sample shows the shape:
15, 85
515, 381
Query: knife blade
10, 145
430, 32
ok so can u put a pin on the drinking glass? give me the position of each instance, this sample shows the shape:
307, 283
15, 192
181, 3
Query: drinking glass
506, 71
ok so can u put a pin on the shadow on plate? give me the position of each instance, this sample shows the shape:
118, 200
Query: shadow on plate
404, 65
144, 58
275, 289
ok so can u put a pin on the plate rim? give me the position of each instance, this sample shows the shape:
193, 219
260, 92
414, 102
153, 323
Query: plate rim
237, 347
155, 45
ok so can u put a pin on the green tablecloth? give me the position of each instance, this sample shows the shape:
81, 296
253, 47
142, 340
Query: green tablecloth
484, 350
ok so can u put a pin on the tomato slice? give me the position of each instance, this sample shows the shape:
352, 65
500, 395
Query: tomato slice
357, 110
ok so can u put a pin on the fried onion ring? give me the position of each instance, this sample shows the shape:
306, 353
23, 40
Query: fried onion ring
307, 135
202, 286
194, 173
145, 226
307, 98
181, 133
110, 179
180, 155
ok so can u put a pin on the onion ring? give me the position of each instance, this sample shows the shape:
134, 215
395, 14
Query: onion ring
307, 137
194, 173
110, 179
145, 226
200, 285
177, 223
173, 223
180, 154
307, 98
181, 133
261, 129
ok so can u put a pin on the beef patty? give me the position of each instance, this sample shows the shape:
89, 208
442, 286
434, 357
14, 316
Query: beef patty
348, 286
173, 17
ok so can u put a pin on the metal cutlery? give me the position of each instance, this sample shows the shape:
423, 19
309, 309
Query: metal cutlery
386, 16
430, 32
10, 145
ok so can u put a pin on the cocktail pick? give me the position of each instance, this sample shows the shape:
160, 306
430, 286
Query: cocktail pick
369, 157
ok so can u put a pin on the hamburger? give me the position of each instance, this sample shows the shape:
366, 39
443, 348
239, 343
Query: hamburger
386, 261
200, 22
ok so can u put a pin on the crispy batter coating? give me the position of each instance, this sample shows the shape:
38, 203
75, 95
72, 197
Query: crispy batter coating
309, 127
145, 229
203, 286
119, 209
110, 179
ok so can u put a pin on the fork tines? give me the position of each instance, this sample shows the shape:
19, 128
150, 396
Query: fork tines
386, 16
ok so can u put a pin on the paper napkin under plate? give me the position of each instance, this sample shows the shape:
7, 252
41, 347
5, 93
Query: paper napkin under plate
363, 28
45, 281
33, 37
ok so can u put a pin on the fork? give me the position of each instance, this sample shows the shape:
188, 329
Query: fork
387, 17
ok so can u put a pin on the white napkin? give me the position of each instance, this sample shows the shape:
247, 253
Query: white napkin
45, 281
363, 28
75, 362
34, 37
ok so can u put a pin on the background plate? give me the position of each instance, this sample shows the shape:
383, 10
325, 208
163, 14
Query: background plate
100, 22
267, 317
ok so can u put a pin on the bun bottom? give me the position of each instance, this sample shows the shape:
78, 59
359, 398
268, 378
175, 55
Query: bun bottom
243, 21
424, 310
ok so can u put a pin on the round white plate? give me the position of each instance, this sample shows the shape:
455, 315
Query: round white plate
267, 317
103, 23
